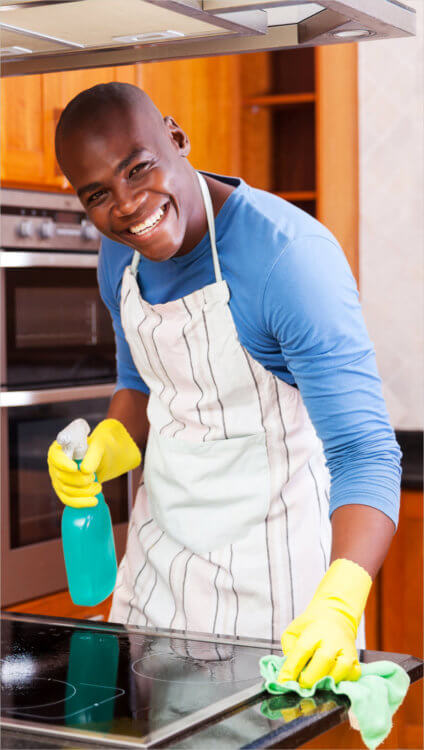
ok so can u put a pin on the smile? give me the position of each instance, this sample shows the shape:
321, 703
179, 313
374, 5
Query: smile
152, 221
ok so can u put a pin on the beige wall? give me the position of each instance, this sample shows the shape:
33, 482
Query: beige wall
391, 138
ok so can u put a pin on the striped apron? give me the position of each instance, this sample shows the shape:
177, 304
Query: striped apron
230, 531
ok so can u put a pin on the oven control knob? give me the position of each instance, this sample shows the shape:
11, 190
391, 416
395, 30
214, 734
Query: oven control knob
25, 229
47, 230
89, 232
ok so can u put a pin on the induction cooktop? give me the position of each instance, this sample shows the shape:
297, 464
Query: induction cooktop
121, 685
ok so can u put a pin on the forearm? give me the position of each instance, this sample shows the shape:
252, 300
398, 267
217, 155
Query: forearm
130, 407
362, 534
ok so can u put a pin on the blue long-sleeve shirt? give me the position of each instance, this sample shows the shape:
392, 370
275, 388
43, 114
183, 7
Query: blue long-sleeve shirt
296, 309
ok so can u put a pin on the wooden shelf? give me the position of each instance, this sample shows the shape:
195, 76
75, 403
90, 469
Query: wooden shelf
297, 195
279, 100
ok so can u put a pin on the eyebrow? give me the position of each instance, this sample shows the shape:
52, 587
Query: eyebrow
122, 165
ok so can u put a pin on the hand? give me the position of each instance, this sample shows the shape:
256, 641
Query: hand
111, 452
321, 641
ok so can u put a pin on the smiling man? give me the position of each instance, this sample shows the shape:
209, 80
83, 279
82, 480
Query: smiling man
246, 378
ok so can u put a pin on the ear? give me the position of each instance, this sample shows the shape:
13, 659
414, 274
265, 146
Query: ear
178, 137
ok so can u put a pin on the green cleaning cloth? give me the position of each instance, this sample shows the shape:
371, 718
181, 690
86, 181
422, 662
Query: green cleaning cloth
374, 698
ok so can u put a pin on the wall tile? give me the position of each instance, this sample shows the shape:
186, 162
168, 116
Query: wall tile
391, 169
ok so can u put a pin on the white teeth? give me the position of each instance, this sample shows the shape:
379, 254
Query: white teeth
148, 223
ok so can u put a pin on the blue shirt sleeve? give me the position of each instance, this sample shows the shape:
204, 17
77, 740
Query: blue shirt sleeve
128, 376
311, 306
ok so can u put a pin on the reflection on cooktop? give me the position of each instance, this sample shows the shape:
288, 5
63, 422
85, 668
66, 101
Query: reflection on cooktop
198, 663
110, 679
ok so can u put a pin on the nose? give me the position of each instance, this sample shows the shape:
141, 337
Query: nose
127, 201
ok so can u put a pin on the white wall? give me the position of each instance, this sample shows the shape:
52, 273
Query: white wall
391, 163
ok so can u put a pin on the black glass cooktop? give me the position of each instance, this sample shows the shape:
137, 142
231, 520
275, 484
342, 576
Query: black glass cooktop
72, 684
138, 685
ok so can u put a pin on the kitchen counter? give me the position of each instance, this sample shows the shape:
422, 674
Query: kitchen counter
411, 445
74, 684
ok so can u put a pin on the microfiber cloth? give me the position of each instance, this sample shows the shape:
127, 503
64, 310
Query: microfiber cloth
374, 697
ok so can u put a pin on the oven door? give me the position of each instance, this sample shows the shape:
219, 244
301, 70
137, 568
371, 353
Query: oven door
56, 330
32, 558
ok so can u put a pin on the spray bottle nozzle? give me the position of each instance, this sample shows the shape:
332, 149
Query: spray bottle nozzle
73, 439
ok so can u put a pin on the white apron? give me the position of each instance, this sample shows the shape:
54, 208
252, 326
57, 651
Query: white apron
230, 531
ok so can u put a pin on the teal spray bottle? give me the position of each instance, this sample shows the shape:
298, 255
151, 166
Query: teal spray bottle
87, 534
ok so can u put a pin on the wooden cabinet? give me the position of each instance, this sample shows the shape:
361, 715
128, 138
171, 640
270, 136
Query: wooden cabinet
285, 121
199, 94
299, 133
401, 608
23, 138
203, 97
31, 107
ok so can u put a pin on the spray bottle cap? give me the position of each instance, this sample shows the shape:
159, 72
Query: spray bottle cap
73, 439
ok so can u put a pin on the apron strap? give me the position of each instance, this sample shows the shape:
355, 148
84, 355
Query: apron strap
134, 263
211, 226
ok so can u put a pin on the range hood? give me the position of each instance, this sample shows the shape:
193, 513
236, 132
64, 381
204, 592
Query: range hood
40, 36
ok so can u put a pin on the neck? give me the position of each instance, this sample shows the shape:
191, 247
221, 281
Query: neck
219, 192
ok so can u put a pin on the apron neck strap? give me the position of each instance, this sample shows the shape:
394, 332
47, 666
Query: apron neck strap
134, 263
207, 202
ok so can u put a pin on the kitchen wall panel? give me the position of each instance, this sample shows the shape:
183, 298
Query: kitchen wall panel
391, 168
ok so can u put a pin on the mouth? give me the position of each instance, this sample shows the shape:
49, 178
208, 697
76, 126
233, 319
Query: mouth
150, 225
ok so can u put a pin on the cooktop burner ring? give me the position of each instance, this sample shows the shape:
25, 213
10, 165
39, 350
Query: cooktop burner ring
178, 669
4, 687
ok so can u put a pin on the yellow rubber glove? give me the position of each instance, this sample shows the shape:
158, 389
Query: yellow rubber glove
305, 707
321, 641
111, 452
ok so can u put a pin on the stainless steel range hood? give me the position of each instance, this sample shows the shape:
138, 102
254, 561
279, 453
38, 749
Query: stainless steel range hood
39, 36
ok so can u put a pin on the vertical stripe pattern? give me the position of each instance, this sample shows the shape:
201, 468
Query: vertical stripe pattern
196, 368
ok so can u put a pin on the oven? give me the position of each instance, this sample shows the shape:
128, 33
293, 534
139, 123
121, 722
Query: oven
57, 363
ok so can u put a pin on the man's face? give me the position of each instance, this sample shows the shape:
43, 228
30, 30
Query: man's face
129, 172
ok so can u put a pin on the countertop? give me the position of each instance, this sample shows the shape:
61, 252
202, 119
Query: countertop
411, 445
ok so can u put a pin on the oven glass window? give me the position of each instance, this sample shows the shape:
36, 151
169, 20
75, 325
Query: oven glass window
35, 510
59, 332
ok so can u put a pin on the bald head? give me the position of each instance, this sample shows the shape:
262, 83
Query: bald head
94, 108
128, 164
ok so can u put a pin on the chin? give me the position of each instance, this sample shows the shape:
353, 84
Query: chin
158, 256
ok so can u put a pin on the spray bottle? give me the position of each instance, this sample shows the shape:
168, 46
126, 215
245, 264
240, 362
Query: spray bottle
87, 534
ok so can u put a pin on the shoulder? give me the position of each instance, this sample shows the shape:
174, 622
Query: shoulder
266, 224
311, 292
268, 239
312, 259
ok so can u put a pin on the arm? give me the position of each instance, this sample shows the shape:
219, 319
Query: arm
313, 310
361, 534
129, 402
311, 307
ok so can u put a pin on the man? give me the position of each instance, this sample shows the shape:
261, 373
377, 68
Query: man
237, 355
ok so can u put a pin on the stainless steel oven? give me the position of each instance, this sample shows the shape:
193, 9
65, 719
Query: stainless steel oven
57, 363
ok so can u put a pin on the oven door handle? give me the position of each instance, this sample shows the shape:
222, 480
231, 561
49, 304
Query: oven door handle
14, 259
10, 399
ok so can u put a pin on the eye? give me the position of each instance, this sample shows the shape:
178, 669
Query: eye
95, 196
138, 168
